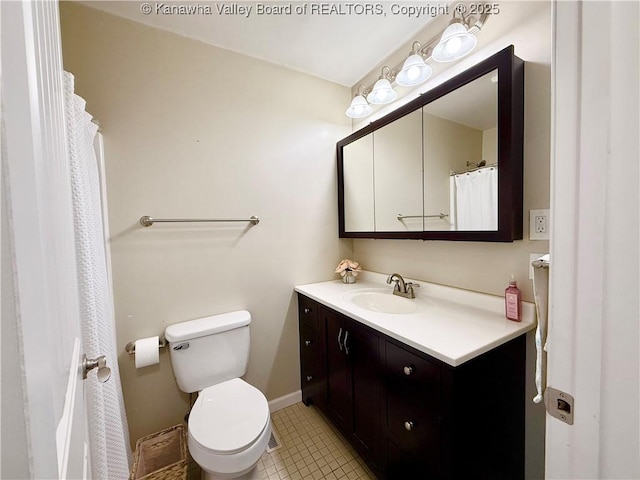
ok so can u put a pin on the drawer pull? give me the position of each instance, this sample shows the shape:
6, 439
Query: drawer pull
309, 378
307, 343
408, 426
339, 339
308, 310
409, 370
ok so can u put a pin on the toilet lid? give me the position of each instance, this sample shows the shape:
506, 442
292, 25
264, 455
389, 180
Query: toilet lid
228, 417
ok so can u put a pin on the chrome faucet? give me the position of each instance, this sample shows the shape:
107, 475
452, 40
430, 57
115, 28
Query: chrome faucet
402, 288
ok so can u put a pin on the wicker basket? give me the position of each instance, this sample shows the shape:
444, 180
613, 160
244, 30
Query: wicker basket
161, 456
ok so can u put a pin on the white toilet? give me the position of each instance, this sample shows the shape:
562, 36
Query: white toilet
229, 424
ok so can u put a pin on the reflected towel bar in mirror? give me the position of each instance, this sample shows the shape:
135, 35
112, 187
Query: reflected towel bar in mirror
147, 221
439, 215
474, 169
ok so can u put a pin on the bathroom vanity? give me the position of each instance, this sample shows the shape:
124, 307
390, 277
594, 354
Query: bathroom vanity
432, 387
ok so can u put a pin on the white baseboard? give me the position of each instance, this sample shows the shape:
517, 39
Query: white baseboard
285, 401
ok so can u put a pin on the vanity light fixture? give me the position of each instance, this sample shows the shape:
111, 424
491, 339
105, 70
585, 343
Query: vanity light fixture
414, 70
359, 107
383, 92
456, 41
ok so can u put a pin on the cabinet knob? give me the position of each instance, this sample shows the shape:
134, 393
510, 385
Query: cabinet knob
309, 378
408, 426
307, 343
408, 370
308, 310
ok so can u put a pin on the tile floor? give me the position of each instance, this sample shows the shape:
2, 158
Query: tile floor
311, 449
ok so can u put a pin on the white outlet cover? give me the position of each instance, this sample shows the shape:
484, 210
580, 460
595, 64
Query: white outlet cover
533, 235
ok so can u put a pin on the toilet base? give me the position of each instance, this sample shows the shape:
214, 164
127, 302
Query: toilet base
252, 474
212, 464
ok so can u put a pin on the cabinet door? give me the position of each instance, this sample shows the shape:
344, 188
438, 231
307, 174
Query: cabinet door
338, 395
363, 350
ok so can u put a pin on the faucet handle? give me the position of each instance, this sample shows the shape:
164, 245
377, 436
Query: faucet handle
410, 287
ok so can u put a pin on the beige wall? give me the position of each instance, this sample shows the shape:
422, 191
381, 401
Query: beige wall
195, 131
478, 266
490, 145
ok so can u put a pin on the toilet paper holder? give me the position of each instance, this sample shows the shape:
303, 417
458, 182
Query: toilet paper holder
130, 347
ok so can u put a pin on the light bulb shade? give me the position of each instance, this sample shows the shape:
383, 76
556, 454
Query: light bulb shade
382, 93
455, 43
359, 108
414, 71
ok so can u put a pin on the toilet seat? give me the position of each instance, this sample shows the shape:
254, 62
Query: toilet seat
229, 417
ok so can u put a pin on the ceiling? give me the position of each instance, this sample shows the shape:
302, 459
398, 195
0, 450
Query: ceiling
336, 45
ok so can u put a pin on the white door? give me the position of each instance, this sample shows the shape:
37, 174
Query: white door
51, 427
594, 331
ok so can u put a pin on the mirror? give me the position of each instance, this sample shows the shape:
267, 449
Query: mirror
446, 166
460, 157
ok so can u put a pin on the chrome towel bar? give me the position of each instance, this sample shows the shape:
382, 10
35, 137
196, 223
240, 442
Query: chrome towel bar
147, 221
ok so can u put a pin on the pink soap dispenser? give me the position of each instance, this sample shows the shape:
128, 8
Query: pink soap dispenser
513, 301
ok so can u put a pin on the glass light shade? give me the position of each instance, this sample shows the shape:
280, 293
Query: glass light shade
382, 93
359, 108
414, 71
455, 43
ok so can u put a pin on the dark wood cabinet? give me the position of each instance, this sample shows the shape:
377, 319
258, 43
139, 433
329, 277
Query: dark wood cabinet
353, 384
410, 415
413, 412
338, 398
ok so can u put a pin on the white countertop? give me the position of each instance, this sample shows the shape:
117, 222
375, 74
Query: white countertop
450, 324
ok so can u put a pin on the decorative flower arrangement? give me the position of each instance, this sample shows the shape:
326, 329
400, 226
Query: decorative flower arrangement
348, 270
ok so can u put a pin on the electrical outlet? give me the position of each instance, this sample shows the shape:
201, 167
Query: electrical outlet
539, 224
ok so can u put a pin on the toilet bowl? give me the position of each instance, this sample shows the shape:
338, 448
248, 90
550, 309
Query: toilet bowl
229, 424
229, 429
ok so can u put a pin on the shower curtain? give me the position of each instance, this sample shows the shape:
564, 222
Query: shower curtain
108, 433
476, 200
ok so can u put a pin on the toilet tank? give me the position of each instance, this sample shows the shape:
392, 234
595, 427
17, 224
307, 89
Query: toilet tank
209, 350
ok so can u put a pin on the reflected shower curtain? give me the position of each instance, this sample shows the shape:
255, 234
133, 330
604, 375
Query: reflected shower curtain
476, 200
107, 424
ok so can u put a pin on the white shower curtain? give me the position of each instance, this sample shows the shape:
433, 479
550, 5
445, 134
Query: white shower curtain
108, 432
476, 200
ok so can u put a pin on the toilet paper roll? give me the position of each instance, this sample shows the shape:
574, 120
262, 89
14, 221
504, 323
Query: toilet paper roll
147, 352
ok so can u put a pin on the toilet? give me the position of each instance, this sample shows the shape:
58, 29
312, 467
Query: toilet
229, 424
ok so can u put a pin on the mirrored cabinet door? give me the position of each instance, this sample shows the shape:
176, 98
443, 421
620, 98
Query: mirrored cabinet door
358, 186
398, 175
460, 158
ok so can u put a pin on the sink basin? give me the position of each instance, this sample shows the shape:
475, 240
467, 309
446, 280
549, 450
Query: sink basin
382, 301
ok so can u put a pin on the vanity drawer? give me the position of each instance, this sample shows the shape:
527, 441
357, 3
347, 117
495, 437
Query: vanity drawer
417, 378
411, 427
311, 372
308, 312
309, 344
